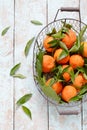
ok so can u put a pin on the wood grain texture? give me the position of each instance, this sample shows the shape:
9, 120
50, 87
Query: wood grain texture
6, 62
25, 30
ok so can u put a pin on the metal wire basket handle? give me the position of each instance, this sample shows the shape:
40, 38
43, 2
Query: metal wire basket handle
68, 9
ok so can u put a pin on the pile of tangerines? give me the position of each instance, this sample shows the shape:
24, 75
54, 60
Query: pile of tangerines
53, 58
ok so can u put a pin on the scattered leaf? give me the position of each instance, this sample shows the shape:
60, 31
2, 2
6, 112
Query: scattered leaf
5, 31
63, 46
24, 99
27, 47
36, 22
14, 69
52, 32
19, 76
27, 111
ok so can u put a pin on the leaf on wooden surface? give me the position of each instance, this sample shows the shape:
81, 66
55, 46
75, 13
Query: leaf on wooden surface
36, 22
24, 99
5, 31
14, 69
27, 111
21, 76
27, 47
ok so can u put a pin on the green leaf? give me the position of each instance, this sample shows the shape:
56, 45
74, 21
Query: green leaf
14, 69
52, 32
81, 48
72, 75
36, 22
76, 46
24, 99
63, 55
27, 47
82, 32
76, 98
83, 90
69, 26
48, 91
21, 76
27, 111
38, 64
63, 46
59, 35
5, 31
53, 43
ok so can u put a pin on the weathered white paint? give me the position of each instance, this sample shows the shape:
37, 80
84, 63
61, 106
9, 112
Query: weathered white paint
24, 30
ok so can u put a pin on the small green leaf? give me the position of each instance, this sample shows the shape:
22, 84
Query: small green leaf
72, 75
83, 90
59, 35
36, 22
5, 31
24, 99
81, 48
82, 32
21, 76
27, 47
53, 43
63, 46
14, 69
27, 111
52, 32
76, 98
63, 55
38, 64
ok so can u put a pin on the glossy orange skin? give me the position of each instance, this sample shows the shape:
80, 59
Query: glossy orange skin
68, 92
48, 63
69, 39
57, 54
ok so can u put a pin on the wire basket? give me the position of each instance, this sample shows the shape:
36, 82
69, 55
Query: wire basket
77, 26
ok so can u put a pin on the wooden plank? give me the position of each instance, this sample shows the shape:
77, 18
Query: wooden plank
24, 30
84, 19
56, 121
6, 58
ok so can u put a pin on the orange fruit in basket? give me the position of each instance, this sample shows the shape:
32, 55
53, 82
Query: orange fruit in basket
57, 86
79, 81
57, 54
47, 45
76, 61
69, 39
68, 92
48, 63
84, 53
66, 75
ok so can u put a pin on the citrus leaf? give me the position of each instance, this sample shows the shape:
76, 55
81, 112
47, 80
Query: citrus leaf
59, 35
5, 31
52, 32
63, 55
82, 32
27, 47
38, 64
14, 69
27, 111
83, 90
21, 76
76, 98
24, 99
36, 22
81, 48
63, 46
72, 75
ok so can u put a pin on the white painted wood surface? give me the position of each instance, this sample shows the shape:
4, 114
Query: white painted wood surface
17, 14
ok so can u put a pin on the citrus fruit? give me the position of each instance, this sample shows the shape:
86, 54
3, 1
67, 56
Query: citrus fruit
76, 61
57, 54
47, 45
84, 51
57, 86
68, 92
79, 81
69, 39
66, 75
48, 63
